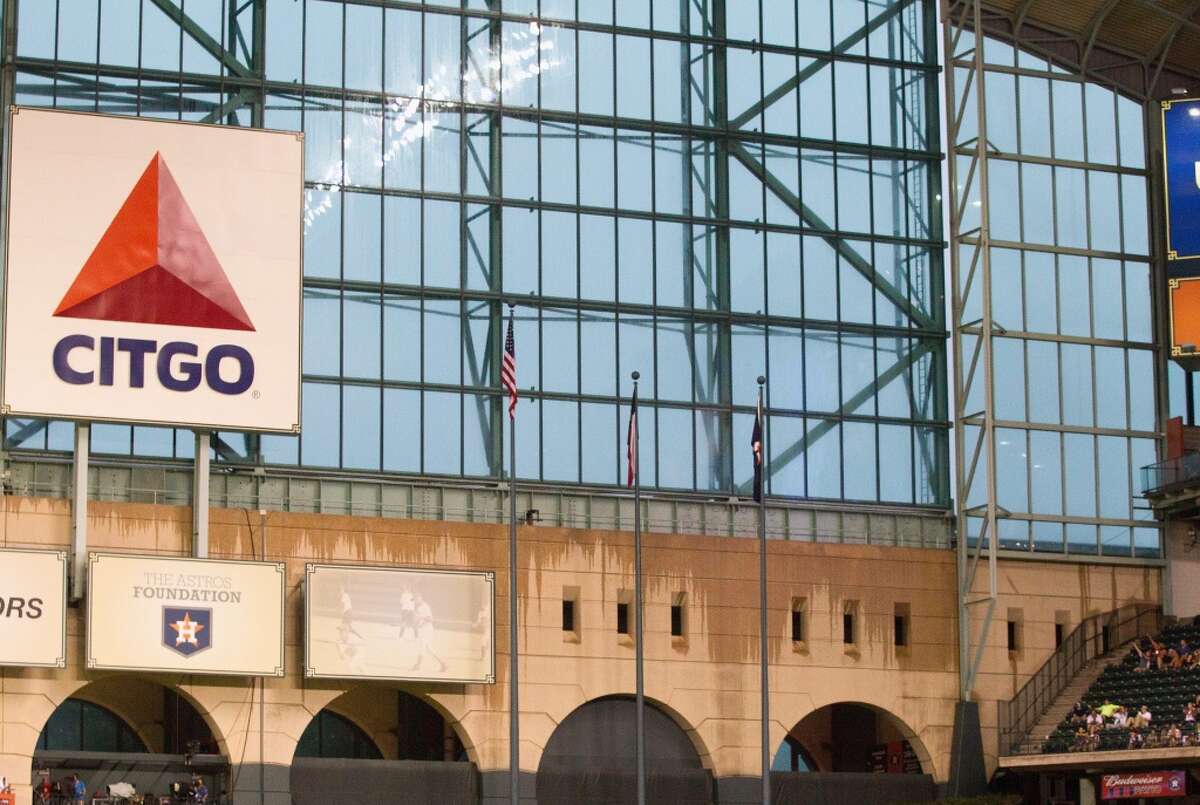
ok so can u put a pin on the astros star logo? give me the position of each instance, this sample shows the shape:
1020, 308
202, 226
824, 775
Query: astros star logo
187, 630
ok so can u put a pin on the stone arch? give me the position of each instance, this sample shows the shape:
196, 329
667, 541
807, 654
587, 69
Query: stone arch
380, 720
133, 699
816, 727
593, 747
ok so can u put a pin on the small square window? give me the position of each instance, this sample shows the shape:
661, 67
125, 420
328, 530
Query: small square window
622, 618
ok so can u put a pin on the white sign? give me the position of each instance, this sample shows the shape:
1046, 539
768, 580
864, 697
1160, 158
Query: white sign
153, 272
198, 616
399, 624
33, 608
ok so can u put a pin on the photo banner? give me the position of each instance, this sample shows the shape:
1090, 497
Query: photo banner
33, 607
403, 624
197, 616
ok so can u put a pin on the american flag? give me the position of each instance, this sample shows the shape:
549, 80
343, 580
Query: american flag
756, 437
508, 369
631, 450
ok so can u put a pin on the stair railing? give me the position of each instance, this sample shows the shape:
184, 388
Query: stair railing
1094, 637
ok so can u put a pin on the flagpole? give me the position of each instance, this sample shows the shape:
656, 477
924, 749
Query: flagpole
514, 709
637, 591
762, 610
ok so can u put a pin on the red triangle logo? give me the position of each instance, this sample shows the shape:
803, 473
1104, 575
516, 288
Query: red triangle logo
153, 265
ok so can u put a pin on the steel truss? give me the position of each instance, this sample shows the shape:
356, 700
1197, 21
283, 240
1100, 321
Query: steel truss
970, 261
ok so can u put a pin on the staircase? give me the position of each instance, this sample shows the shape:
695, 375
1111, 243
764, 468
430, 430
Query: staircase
1073, 692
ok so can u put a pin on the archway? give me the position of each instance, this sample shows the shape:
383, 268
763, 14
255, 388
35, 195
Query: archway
593, 750
128, 730
370, 743
859, 750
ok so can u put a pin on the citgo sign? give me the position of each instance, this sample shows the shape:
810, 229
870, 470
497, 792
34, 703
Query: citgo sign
153, 272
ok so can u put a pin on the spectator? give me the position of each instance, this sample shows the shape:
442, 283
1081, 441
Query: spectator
1143, 662
1189, 713
1120, 719
1144, 716
1107, 709
1093, 720
1079, 713
1173, 659
1081, 740
78, 790
1174, 736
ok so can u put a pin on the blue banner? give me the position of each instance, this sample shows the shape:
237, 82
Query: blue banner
1181, 155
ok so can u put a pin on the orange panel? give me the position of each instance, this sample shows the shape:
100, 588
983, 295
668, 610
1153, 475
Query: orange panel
1185, 313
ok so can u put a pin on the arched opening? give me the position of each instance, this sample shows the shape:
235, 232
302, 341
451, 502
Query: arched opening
332, 736
372, 742
131, 731
854, 748
593, 750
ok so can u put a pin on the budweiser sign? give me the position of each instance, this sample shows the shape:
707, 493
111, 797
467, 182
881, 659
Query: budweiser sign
1143, 784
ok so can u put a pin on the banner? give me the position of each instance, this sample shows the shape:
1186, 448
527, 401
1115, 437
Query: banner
196, 616
1137, 785
33, 607
153, 272
399, 624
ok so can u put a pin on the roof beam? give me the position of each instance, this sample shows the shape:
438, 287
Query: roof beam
1093, 30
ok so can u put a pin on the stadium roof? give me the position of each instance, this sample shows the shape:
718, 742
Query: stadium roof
1148, 47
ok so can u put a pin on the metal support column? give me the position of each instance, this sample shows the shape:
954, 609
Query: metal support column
79, 497
970, 263
200, 476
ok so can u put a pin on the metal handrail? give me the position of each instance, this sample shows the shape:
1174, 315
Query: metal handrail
1172, 472
1094, 637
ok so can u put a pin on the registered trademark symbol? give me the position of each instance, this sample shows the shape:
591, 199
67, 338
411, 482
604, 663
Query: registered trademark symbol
255, 394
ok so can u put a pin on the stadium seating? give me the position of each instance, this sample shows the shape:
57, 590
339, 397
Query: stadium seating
1165, 693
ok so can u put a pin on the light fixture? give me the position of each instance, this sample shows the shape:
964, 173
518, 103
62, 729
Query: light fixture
1179, 90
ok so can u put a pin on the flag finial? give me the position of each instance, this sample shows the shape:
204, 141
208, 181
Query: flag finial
636, 375
761, 380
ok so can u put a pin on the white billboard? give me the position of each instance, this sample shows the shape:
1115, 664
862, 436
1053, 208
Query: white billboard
153, 272
33, 608
197, 616
399, 624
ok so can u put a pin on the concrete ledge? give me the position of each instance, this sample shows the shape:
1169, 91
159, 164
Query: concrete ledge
1178, 756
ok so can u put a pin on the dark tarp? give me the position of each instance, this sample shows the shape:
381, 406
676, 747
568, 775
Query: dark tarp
590, 759
333, 781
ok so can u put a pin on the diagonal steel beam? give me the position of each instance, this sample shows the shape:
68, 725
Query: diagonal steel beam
235, 102
894, 295
25, 433
801, 445
203, 38
808, 72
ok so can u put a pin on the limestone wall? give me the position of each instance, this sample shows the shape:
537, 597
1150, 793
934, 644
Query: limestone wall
707, 681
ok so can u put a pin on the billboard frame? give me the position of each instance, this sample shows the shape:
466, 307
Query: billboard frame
1172, 255
280, 568
488, 576
6, 410
61, 660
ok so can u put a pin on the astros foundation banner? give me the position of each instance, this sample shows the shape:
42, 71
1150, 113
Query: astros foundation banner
153, 272
399, 624
33, 606
198, 616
